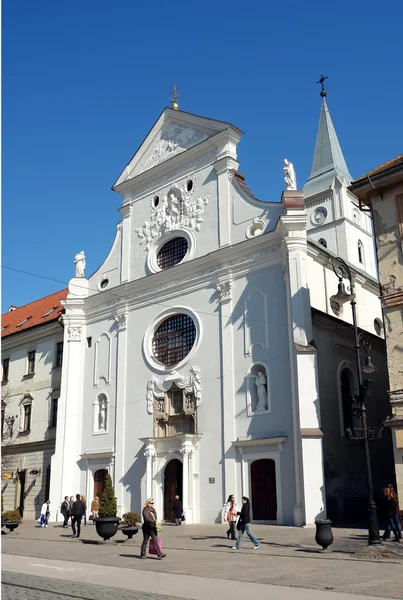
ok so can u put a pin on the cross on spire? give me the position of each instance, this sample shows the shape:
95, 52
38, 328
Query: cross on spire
174, 99
323, 92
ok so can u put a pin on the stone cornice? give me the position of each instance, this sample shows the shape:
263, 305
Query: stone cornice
32, 335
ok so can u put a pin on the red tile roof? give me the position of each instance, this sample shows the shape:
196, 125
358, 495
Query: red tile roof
35, 313
388, 165
241, 180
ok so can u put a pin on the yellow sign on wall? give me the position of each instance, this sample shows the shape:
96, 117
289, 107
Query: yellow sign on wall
6, 476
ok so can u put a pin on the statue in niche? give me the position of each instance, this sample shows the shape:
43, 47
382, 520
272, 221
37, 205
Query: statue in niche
290, 179
102, 411
79, 263
261, 384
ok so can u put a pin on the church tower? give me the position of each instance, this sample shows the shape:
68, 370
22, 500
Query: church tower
334, 218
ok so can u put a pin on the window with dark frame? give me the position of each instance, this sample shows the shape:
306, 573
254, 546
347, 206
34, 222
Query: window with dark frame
27, 417
31, 362
172, 253
360, 253
53, 412
59, 354
174, 339
6, 367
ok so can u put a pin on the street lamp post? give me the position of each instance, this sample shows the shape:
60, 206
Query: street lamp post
342, 271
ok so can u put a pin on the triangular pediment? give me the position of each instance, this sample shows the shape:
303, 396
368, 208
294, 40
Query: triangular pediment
173, 133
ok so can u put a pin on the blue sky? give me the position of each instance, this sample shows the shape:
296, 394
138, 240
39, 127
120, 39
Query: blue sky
83, 82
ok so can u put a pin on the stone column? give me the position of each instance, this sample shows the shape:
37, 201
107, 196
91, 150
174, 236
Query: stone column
186, 453
120, 408
150, 454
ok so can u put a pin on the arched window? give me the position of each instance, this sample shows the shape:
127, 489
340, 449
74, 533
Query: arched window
323, 242
360, 248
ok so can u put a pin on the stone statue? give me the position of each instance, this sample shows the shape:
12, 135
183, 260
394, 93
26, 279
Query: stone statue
102, 410
290, 179
79, 262
260, 382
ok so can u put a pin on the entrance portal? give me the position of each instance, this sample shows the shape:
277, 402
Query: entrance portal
99, 482
264, 497
172, 486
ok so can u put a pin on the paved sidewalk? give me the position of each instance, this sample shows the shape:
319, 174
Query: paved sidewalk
288, 556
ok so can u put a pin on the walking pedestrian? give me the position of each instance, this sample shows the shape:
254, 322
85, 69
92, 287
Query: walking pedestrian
85, 510
45, 513
77, 514
232, 516
177, 510
95, 508
65, 510
244, 525
392, 515
150, 529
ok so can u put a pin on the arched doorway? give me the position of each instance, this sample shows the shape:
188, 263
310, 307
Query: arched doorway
263, 487
99, 482
172, 485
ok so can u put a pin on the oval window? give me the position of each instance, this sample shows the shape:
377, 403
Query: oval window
189, 185
172, 253
156, 201
174, 339
104, 283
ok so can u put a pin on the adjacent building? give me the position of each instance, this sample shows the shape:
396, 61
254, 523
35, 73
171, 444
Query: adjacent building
381, 192
32, 358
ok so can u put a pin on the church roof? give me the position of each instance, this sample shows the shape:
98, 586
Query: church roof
39, 312
328, 159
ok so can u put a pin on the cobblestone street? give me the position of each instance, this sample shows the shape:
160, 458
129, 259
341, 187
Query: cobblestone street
287, 557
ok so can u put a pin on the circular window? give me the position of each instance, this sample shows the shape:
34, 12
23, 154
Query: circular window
156, 201
320, 215
336, 307
103, 284
172, 252
323, 242
189, 185
378, 326
174, 339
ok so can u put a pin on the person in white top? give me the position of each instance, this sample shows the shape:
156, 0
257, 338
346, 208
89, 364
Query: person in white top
232, 515
45, 512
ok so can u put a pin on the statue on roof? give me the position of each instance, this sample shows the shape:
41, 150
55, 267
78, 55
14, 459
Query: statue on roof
290, 178
79, 263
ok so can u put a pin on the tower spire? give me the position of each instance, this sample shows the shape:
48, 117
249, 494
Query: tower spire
328, 159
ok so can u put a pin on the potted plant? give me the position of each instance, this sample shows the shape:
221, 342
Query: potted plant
11, 519
107, 523
129, 522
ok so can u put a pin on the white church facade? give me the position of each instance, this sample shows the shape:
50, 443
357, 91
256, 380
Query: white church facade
189, 363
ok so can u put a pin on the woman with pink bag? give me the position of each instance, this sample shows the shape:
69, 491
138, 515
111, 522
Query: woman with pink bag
150, 530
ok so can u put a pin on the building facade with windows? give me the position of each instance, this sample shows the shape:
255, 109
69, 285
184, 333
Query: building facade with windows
32, 357
381, 192
191, 362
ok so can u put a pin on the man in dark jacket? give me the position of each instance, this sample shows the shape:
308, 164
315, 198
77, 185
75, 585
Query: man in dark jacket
77, 514
177, 510
65, 510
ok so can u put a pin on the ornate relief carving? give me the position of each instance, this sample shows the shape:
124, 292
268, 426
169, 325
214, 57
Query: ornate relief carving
121, 320
175, 210
225, 290
74, 333
174, 139
156, 389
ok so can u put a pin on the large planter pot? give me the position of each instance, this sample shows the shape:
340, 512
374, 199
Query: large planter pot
11, 525
324, 535
129, 531
107, 526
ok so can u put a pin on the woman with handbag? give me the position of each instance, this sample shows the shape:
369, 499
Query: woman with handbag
150, 530
232, 515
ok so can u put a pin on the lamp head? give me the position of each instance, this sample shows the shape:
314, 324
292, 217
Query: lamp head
342, 295
369, 367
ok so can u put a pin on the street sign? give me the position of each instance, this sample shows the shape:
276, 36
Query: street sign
34, 472
6, 476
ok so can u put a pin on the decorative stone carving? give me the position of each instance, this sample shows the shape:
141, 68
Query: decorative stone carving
186, 451
74, 333
261, 384
156, 389
79, 263
150, 451
290, 179
225, 290
174, 139
178, 209
121, 320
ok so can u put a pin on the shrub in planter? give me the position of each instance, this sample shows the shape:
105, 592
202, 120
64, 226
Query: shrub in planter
11, 519
107, 523
130, 519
